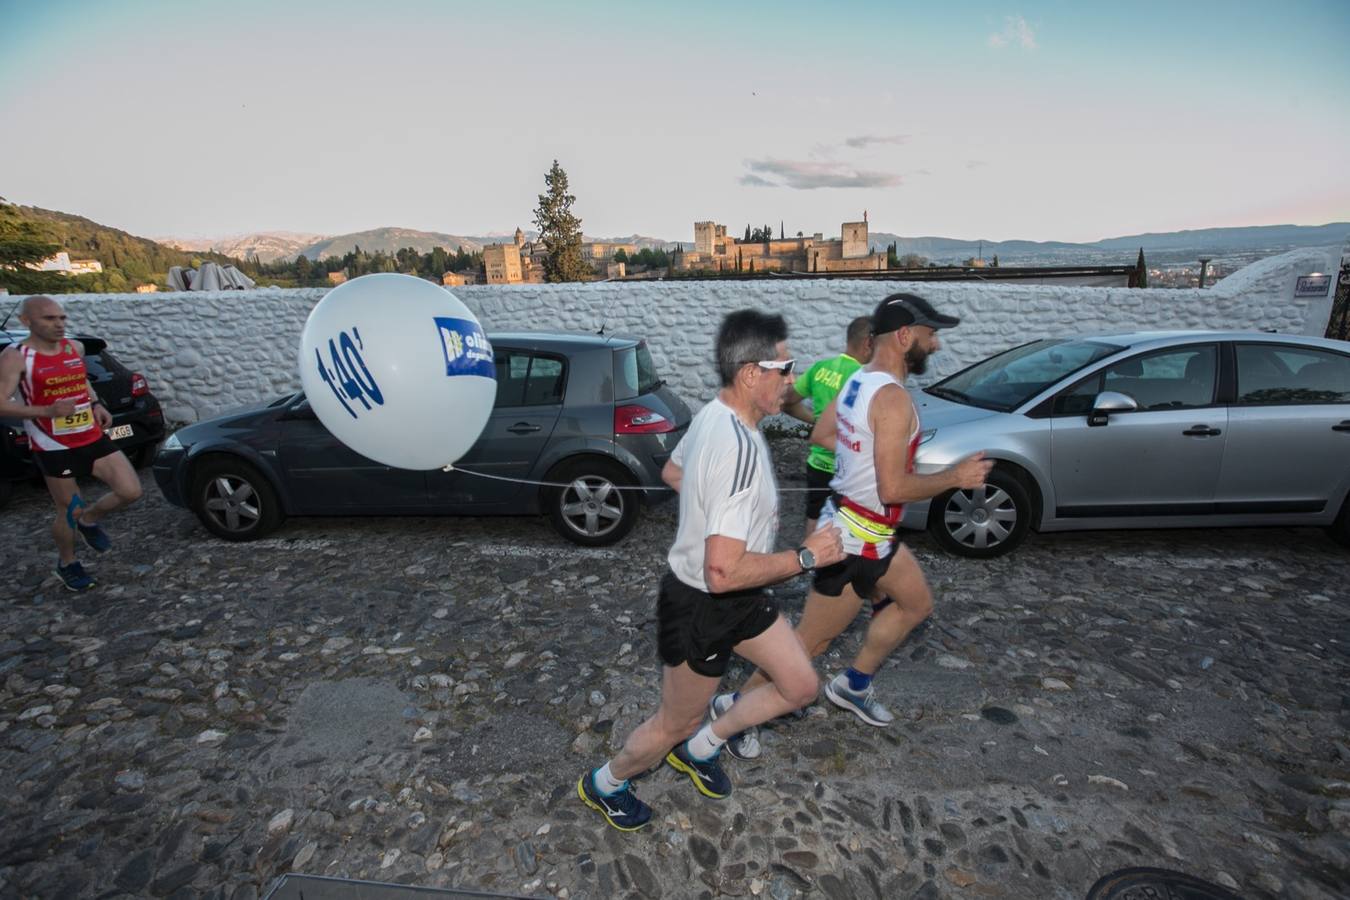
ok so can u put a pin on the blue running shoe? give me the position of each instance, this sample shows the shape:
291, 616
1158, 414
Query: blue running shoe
622, 809
742, 744
74, 577
95, 537
706, 774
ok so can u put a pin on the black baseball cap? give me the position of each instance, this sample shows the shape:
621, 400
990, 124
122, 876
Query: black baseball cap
900, 310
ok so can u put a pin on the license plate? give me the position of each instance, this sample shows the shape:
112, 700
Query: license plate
119, 432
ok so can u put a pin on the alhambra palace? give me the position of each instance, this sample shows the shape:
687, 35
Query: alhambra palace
522, 262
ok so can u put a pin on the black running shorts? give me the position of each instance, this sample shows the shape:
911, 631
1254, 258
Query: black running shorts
701, 628
75, 463
817, 490
858, 571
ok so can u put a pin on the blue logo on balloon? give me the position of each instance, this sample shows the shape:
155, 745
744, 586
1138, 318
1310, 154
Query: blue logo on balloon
349, 378
467, 351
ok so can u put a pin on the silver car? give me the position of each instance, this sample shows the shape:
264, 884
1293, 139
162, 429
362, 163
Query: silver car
1143, 430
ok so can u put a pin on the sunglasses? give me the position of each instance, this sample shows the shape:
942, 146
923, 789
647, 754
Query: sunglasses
783, 366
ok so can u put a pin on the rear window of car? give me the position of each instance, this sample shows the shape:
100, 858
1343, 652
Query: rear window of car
527, 379
634, 372
1281, 374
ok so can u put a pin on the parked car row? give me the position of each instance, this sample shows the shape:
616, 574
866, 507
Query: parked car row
1129, 430
137, 426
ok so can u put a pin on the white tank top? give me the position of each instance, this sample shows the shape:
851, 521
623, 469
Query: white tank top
868, 525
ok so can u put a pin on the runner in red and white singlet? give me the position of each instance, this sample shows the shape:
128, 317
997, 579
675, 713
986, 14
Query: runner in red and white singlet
873, 427
65, 423
47, 378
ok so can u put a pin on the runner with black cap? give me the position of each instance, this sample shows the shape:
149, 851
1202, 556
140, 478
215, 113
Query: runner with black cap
874, 429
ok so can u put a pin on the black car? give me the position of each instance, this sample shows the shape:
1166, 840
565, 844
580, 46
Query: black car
137, 426
584, 411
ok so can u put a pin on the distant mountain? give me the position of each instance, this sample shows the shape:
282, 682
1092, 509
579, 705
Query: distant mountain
267, 246
1250, 238
391, 240
1213, 240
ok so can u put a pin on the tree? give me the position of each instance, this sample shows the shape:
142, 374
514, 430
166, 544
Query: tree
560, 230
995, 262
747, 233
620, 256
23, 242
1141, 270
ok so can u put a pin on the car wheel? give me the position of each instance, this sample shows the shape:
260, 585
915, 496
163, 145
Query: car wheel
986, 522
590, 510
234, 500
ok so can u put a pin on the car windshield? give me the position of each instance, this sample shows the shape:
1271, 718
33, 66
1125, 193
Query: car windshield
1011, 378
635, 372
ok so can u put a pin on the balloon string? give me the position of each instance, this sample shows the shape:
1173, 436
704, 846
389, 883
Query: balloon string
451, 467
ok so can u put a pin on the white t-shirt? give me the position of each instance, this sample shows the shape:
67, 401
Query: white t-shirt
727, 488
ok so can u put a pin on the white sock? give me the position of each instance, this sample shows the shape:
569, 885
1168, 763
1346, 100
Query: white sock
605, 782
704, 744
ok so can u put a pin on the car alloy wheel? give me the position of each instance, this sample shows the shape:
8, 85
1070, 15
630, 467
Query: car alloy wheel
234, 500
232, 503
592, 506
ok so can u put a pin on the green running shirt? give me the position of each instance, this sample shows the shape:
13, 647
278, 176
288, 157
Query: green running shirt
819, 384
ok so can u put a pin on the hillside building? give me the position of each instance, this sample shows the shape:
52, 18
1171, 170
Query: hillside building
714, 250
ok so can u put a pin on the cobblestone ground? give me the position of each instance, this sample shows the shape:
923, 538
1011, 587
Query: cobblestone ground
413, 700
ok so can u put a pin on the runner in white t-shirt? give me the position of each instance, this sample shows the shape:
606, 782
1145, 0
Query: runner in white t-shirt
711, 602
874, 430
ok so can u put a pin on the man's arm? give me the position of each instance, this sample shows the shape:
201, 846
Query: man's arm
892, 420
11, 370
826, 429
794, 404
728, 566
672, 475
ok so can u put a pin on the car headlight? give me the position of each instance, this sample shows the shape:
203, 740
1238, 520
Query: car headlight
173, 443
926, 436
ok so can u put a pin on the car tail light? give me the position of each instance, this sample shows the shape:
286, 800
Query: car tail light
634, 418
21, 440
139, 386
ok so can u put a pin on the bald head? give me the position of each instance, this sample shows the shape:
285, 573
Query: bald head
36, 305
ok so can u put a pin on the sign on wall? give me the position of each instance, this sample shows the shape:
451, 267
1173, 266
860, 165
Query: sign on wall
1312, 285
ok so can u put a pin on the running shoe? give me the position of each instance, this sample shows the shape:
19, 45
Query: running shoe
862, 704
74, 577
93, 535
742, 744
706, 774
622, 809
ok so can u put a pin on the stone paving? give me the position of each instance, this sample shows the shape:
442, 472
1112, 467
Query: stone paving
412, 701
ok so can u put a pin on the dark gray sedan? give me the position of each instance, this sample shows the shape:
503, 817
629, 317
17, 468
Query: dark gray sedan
1142, 430
583, 411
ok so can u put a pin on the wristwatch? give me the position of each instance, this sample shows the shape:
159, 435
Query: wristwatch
806, 559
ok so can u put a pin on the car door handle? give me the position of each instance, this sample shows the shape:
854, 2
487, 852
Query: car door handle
1344, 426
1201, 431
522, 428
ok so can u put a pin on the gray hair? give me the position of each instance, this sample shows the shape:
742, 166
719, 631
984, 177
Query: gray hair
746, 336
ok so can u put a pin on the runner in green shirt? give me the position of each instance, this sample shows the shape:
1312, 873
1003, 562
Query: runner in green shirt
819, 384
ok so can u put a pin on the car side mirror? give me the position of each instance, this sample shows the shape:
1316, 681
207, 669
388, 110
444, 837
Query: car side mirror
1108, 402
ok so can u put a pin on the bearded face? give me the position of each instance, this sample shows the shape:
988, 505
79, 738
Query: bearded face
916, 360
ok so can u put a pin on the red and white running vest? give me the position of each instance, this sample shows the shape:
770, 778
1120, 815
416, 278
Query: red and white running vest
867, 524
48, 377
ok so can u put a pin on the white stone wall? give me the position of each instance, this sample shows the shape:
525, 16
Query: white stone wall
205, 353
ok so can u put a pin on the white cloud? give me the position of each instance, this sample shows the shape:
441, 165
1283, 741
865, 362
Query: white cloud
1016, 31
804, 176
862, 141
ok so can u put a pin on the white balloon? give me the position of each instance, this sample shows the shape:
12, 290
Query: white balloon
399, 370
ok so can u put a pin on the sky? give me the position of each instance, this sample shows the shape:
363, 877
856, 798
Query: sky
996, 120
